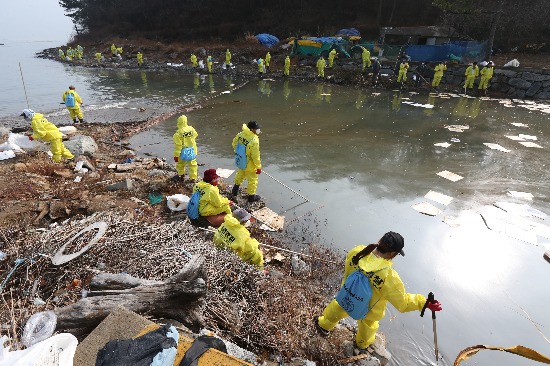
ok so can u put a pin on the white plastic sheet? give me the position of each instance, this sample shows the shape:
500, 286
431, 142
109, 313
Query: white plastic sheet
177, 202
58, 350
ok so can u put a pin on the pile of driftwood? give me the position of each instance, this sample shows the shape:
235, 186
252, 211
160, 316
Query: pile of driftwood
165, 270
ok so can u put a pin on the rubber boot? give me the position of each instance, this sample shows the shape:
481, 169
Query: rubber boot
253, 198
81, 120
74, 121
235, 191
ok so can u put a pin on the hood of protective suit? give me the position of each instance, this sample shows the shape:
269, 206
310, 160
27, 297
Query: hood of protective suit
182, 121
246, 129
229, 220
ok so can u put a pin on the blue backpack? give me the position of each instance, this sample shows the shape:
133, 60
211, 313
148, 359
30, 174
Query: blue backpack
193, 206
355, 294
69, 100
240, 156
188, 154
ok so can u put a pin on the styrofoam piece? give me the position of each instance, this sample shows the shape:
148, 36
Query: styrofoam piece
443, 144
515, 138
525, 195
450, 176
530, 144
270, 218
527, 137
427, 208
9, 154
496, 147
67, 129
451, 221
438, 197
224, 173
177, 202
517, 124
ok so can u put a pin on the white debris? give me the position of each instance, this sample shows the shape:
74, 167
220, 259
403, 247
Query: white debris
443, 144
517, 124
520, 209
439, 197
427, 209
515, 138
527, 137
177, 202
224, 173
451, 221
530, 144
455, 140
9, 154
496, 147
450, 176
525, 195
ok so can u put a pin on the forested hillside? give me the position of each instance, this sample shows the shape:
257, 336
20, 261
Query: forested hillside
516, 23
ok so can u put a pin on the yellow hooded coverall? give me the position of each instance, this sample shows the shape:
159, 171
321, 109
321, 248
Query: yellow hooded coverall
209, 63
403, 68
471, 74
365, 56
321, 63
139, 57
253, 161
260, 66
386, 287
185, 137
227, 57
113, 49
232, 234
74, 111
331, 56
43, 129
98, 56
287, 66
267, 60
61, 54
194, 62
438, 74
486, 75
211, 202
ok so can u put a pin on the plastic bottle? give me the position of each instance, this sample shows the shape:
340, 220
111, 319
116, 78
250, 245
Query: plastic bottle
39, 327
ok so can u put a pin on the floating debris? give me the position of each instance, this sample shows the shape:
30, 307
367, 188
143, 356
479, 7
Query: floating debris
517, 124
443, 144
525, 195
427, 208
439, 197
515, 138
496, 147
530, 144
450, 176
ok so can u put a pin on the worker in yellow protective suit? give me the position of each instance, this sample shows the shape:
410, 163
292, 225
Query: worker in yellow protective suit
365, 56
139, 57
403, 68
486, 75
113, 50
98, 56
438, 74
212, 206
79, 52
185, 137
43, 129
194, 62
72, 102
331, 56
209, 63
261, 68
233, 234
250, 139
227, 59
321, 64
287, 66
374, 262
267, 61
471, 73
119, 51
61, 54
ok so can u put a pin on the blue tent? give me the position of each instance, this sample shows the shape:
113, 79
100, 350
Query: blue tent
348, 32
267, 39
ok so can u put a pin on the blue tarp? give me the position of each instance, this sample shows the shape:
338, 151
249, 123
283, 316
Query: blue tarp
331, 40
267, 39
459, 50
348, 32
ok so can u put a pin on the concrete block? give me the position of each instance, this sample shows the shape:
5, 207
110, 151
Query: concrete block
126, 185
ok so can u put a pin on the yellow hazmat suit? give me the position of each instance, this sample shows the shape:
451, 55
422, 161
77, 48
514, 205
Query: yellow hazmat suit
119, 50
98, 56
211, 203
209, 63
321, 64
43, 129
386, 287
74, 111
61, 54
227, 57
486, 75
113, 49
331, 56
253, 161
185, 137
260, 66
194, 62
267, 60
139, 57
287, 66
438, 74
403, 68
232, 234
365, 56
472, 72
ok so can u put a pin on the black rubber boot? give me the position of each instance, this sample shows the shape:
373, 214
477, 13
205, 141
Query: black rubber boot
235, 191
81, 120
253, 198
75, 121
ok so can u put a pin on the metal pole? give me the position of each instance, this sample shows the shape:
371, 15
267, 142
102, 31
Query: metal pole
24, 88
284, 185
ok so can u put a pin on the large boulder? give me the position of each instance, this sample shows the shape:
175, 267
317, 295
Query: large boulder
519, 83
529, 76
81, 145
533, 89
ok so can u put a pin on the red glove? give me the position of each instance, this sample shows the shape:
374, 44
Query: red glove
259, 171
31, 138
434, 306
231, 202
176, 159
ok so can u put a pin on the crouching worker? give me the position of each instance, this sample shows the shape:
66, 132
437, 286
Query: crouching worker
43, 129
234, 234
369, 268
206, 205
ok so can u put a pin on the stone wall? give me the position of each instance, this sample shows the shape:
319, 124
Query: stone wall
512, 82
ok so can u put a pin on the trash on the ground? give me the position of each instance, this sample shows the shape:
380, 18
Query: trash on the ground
450, 176
56, 350
5, 155
155, 198
177, 202
79, 167
520, 209
174, 65
2, 255
427, 209
18, 143
439, 197
224, 173
111, 166
67, 130
279, 257
78, 179
530, 144
508, 224
451, 221
515, 138
442, 144
517, 124
270, 217
455, 140
226, 92
457, 128
429, 106
265, 227
527, 137
39, 327
512, 63
496, 147
60, 258
526, 195
38, 302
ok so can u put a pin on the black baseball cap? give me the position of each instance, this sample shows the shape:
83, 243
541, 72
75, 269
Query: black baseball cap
253, 125
393, 242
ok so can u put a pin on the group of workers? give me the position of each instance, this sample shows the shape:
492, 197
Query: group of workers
71, 53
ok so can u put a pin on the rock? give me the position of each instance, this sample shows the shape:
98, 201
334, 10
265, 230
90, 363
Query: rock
500, 87
81, 145
127, 167
533, 89
58, 209
543, 95
94, 175
516, 93
508, 73
157, 172
64, 173
85, 163
126, 185
519, 83
298, 265
378, 349
20, 167
348, 347
529, 76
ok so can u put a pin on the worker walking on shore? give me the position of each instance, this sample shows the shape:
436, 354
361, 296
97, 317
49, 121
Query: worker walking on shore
287, 66
98, 56
471, 73
61, 54
227, 60
403, 68
486, 75
43, 129
233, 234
267, 61
113, 50
438, 74
261, 68
73, 101
194, 62
139, 57
370, 266
321, 64
209, 64
246, 146
185, 149
365, 56
331, 56
212, 207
